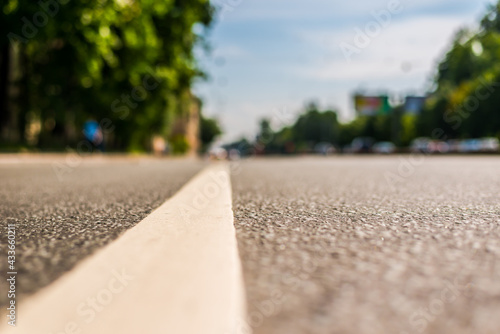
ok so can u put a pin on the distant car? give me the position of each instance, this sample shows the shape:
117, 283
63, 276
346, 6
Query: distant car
438, 146
361, 145
324, 148
384, 147
454, 145
420, 145
490, 145
470, 146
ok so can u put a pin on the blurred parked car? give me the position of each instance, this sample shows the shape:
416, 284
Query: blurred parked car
384, 147
454, 145
324, 148
490, 145
420, 145
361, 145
426, 145
438, 146
470, 146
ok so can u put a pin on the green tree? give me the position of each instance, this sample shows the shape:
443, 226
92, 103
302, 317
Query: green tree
464, 103
209, 130
315, 127
130, 63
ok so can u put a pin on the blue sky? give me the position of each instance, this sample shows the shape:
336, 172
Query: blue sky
270, 57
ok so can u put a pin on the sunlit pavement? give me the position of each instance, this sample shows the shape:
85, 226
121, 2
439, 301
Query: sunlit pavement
370, 244
177, 268
341, 244
67, 207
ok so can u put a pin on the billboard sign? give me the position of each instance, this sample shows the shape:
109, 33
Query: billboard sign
414, 104
372, 105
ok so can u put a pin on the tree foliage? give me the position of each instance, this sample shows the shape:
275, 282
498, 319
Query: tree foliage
209, 131
127, 62
315, 126
465, 101
312, 127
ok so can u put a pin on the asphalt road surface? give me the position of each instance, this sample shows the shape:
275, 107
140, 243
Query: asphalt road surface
328, 244
370, 244
64, 210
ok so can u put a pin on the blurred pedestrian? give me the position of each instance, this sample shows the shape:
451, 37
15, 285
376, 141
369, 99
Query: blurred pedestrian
93, 133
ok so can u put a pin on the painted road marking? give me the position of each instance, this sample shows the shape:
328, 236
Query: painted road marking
177, 272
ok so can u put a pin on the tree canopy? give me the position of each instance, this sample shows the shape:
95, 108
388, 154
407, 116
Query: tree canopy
465, 101
127, 64
209, 130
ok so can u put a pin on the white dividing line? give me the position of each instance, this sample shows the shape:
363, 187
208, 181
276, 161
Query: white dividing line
176, 272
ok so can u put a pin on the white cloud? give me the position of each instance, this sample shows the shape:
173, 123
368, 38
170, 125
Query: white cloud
413, 44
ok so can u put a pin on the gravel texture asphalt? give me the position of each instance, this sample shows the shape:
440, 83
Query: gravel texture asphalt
328, 245
65, 212
370, 244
